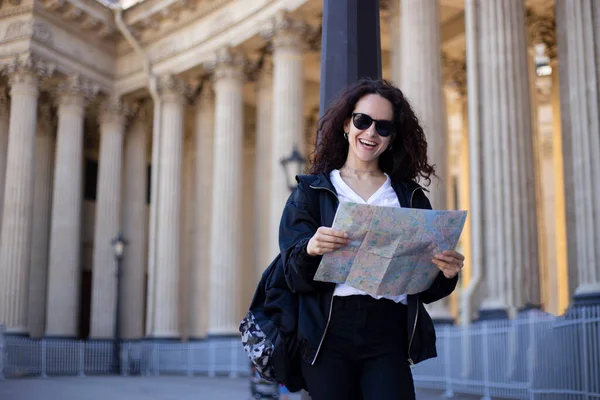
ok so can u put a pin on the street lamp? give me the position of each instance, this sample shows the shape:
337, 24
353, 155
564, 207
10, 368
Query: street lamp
118, 244
293, 165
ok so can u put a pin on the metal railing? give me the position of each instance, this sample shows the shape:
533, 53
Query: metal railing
534, 356
49, 357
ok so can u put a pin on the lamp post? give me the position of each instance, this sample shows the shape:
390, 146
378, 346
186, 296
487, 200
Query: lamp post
118, 244
293, 165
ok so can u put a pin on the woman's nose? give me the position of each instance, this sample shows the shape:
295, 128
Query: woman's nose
371, 130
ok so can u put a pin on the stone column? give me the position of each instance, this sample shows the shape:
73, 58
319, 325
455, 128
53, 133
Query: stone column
421, 82
578, 29
17, 217
165, 315
288, 113
40, 240
204, 132
264, 136
510, 239
135, 190
108, 219
562, 282
4, 119
62, 313
226, 238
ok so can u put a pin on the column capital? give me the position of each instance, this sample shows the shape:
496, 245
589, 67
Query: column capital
28, 69
228, 64
287, 32
24, 74
75, 90
113, 111
173, 89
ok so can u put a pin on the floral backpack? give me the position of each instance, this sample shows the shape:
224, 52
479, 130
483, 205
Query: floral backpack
261, 327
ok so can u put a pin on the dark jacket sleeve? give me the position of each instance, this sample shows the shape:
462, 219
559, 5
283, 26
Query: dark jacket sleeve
441, 286
298, 225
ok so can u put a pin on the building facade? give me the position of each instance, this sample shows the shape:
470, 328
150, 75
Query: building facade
167, 121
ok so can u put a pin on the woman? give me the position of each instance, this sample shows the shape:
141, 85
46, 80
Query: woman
354, 345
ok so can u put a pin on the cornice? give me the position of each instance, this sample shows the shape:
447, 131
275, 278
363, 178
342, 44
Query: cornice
154, 19
83, 30
12, 11
87, 16
68, 65
28, 29
195, 44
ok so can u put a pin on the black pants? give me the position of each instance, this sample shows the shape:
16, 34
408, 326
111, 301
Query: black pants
363, 355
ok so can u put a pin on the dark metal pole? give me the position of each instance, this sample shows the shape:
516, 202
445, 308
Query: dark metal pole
350, 45
350, 50
117, 334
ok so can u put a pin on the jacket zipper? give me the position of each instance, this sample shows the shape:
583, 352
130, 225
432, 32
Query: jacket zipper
331, 302
412, 364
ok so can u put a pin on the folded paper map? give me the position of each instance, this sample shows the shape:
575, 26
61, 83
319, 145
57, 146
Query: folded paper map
390, 248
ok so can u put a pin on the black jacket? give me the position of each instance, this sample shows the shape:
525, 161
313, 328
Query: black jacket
313, 204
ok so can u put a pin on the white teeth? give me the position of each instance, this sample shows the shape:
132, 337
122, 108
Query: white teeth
367, 142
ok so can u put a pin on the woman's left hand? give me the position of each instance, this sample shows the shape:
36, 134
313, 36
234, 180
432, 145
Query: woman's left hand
450, 262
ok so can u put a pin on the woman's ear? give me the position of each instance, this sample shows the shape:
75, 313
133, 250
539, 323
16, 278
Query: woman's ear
347, 126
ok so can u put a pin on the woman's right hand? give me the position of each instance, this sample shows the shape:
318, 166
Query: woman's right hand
326, 240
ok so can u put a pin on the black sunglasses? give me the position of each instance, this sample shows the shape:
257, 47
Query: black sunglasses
363, 121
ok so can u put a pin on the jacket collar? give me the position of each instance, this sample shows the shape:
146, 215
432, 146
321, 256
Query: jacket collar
322, 181
404, 190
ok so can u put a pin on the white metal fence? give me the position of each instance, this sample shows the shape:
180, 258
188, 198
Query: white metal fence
50, 357
534, 356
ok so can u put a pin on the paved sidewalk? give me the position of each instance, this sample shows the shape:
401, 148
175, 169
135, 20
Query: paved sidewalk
141, 388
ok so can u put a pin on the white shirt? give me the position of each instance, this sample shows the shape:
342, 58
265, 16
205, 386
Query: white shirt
384, 196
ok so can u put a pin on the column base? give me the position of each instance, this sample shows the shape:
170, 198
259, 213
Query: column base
440, 321
16, 334
220, 336
586, 299
60, 337
161, 339
529, 307
492, 314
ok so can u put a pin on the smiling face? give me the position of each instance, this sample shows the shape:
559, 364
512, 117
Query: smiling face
367, 145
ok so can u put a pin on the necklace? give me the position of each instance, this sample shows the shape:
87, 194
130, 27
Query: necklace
375, 172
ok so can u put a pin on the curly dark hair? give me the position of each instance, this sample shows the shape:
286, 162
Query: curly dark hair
408, 158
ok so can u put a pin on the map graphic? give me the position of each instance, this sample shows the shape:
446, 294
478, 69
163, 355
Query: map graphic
390, 248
